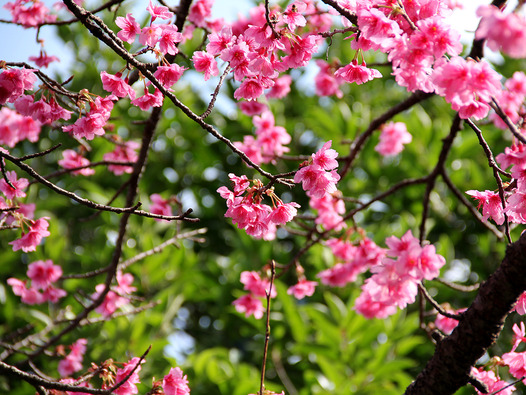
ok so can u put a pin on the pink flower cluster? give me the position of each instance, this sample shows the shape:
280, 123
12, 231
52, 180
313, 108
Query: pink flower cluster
29, 13
318, 177
73, 361
269, 142
130, 385
492, 381
43, 274
352, 260
92, 124
116, 296
394, 282
160, 206
330, 207
15, 127
392, 138
515, 198
258, 219
251, 304
13, 83
511, 101
446, 324
302, 288
72, 159
503, 32
174, 383
256, 55
123, 152
45, 111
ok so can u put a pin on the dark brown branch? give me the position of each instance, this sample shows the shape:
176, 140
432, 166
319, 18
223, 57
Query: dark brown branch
479, 327
334, 4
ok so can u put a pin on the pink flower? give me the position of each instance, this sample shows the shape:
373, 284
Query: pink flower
13, 83
446, 324
160, 206
18, 184
169, 38
72, 160
73, 361
302, 288
284, 213
199, 11
249, 305
502, 32
169, 75
325, 157
516, 361
218, 42
520, 307
150, 35
29, 241
204, 62
316, 181
357, 73
491, 205
174, 383
292, 16
149, 100
122, 153
493, 382
281, 87
250, 89
43, 273
157, 11
251, 108
256, 285
130, 28
392, 139
29, 14
129, 387
519, 335
43, 60
114, 84
112, 301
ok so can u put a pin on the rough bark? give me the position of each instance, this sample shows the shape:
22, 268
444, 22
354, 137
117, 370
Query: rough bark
479, 327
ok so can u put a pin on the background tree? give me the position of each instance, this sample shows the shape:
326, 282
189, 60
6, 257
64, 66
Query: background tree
128, 267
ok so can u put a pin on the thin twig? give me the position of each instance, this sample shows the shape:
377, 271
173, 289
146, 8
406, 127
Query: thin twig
267, 328
435, 304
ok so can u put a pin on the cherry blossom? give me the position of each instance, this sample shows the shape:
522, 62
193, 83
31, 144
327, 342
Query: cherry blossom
302, 288
174, 383
392, 138
249, 305
130, 28
71, 159
30, 239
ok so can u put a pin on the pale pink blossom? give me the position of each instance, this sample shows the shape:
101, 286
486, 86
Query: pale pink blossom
159, 11
520, 307
71, 159
150, 35
283, 213
160, 206
354, 72
249, 305
492, 381
392, 138
130, 28
256, 285
149, 100
130, 385
19, 185
169, 75
174, 383
43, 273
116, 85
491, 205
205, 62
302, 288
29, 240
